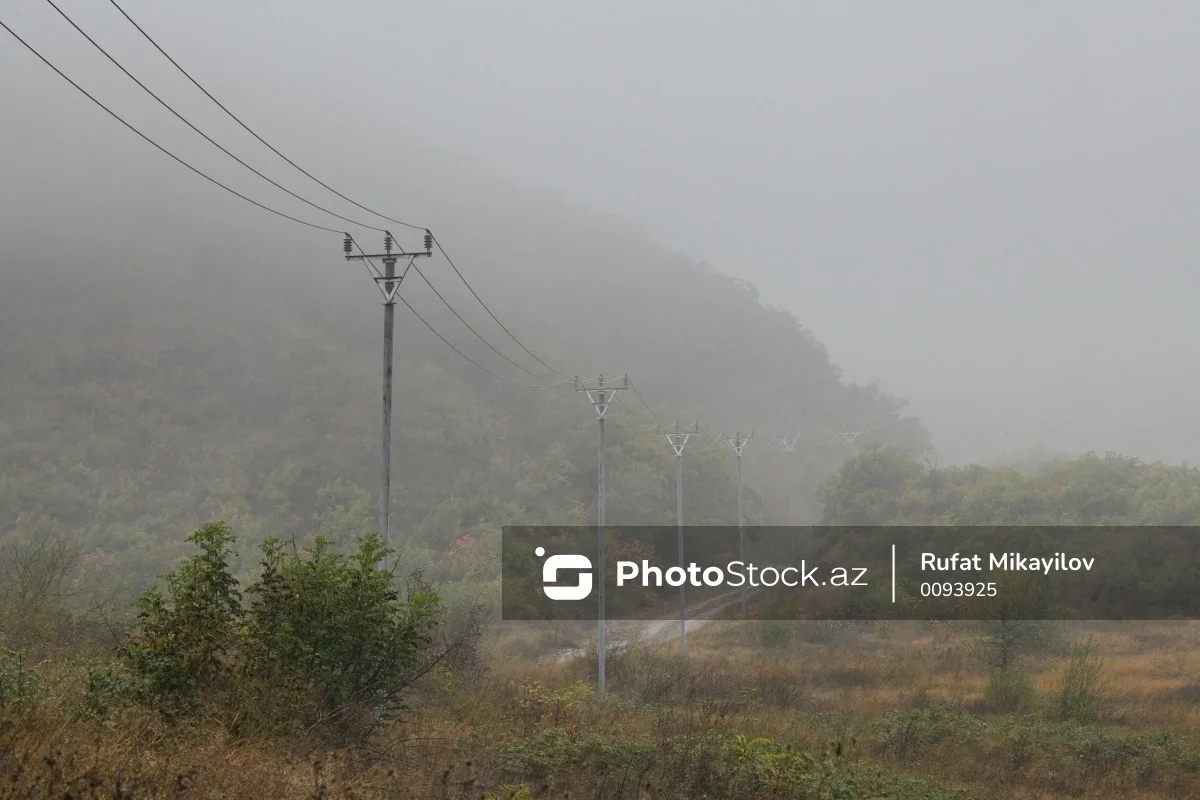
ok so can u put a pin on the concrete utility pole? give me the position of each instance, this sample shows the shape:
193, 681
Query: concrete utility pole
388, 283
601, 395
789, 444
738, 443
678, 440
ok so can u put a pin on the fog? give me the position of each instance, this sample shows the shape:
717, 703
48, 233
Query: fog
990, 208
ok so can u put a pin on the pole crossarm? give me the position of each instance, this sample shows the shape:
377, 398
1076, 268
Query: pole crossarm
388, 282
738, 442
600, 393
678, 438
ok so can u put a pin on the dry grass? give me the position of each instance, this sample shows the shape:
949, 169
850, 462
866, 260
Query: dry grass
909, 698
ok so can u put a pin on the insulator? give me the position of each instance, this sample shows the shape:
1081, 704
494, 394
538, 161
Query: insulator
387, 242
347, 244
428, 242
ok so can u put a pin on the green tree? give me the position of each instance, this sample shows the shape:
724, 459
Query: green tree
328, 637
185, 638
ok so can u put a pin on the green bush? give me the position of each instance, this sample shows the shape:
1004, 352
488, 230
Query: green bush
1009, 691
1081, 694
327, 632
18, 680
326, 639
107, 687
184, 638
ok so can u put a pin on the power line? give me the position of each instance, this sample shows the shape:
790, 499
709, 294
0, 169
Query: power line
472, 330
187, 122
451, 346
468, 358
248, 129
442, 250
159, 147
309, 175
647, 405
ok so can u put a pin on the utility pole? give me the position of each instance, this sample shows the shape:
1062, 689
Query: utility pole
789, 444
388, 283
738, 443
601, 395
678, 440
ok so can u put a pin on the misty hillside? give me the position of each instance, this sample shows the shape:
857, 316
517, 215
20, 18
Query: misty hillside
202, 370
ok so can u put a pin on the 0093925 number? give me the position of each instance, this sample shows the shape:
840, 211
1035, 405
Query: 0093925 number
958, 590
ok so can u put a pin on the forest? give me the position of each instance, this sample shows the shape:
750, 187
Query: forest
188, 474
191, 605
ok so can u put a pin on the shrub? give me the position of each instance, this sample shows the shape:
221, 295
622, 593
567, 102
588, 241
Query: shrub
1081, 693
326, 640
184, 636
329, 632
1009, 691
106, 688
18, 680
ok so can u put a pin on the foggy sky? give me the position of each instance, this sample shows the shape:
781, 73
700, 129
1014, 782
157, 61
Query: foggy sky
989, 207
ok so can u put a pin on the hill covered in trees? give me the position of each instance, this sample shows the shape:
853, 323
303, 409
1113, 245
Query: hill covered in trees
889, 487
204, 373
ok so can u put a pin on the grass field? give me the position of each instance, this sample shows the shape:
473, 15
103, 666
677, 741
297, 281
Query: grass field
795, 710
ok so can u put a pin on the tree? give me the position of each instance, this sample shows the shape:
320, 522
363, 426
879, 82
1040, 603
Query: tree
326, 642
36, 582
327, 635
185, 637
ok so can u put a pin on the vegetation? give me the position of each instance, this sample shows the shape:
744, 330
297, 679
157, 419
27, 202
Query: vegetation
273, 658
894, 487
312, 676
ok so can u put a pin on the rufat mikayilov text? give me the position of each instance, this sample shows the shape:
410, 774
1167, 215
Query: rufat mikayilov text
1006, 562
738, 573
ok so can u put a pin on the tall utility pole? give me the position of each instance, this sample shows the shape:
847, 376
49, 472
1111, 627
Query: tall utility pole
738, 443
601, 395
389, 283
678, 440
789, 444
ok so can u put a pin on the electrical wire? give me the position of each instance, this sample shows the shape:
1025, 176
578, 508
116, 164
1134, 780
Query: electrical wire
621, 403
321, 183
249, 130
306, 223
159, 147
639, 397
472, 330
468, 358
768, 445
442, 250
446, 341
207, 138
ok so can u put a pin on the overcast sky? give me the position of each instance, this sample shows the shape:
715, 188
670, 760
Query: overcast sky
989, 207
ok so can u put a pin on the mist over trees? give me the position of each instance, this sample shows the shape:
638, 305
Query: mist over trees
201, 370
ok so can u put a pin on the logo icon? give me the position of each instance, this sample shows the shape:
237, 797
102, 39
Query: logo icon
566, 562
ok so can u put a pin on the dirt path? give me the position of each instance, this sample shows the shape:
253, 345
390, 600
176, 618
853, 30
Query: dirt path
629, 633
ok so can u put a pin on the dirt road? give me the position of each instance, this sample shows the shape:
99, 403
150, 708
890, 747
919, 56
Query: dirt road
623, 634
